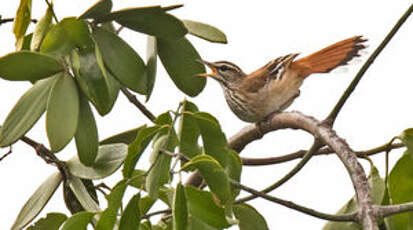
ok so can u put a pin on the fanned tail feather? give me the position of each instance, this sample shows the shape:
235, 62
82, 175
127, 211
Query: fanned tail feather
329, 58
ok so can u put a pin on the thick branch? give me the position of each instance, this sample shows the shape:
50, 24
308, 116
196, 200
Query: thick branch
289, 204
324, 151
388, 210
333, 115
132, 98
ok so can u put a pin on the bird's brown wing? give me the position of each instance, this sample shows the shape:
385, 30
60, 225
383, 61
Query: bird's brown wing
272, 71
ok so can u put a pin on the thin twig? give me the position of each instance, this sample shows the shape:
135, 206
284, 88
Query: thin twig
316, 145
5, 20
48, 156
324, 151
50, 5
333, 114
389, 210
291, 205
6, 154
166, 211
132, 98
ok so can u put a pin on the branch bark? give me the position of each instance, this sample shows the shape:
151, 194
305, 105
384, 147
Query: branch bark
324, 151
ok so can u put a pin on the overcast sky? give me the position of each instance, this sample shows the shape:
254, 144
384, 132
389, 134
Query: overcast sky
257, 31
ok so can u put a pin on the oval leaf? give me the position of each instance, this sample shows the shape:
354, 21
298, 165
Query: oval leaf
249, 218
179, 209
28, 66
189, 131
150, 20
107, 218
131, 216
205, 31
136, 148
92, 80
99, 9
407, 138
68, 34
86, 136
151, 64
400, 190
22, 19
121, 60
62, 112
179, 59
26, 112
125, 137
41, 30
82, 195
78, 221
109, 159
52, 221
214, 175
202, 206
37, 201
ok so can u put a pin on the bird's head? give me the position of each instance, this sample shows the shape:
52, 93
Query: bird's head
224, 72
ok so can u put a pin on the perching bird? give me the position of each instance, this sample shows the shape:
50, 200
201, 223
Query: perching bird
273, 87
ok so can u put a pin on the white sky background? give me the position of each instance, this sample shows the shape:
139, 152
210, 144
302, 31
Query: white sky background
257, 31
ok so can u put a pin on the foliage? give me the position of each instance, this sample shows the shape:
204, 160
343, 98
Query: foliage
79, 62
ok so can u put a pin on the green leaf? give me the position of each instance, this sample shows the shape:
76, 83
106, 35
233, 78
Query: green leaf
188, 131
131, 216
82, 195
26, 112
78, 221
145, 203
233, 169
72, 203
159, 174
42, 27
179, 210
99, 9
22, 19
92, 80
151, 64
52, 221
109, 159
195, 224
67, 35
179, 59
62, 112
37, 201
215, 142
401, 189
107, 218
125, 137
121, 60
150, 20
407, 138
26, 42
377, 193
205, 31
202, 206
86, 136
214, 175
136, 148
28, 66
249, 218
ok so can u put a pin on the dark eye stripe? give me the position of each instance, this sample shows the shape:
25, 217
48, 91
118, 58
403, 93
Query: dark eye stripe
228, 65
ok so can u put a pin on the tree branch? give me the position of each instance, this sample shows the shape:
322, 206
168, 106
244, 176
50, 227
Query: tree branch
6, 20
333, 114
388, 210
47, 155
132, 98
324, 151
291, 205
316, 145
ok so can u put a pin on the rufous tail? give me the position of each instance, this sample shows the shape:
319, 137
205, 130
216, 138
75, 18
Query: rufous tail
329, 58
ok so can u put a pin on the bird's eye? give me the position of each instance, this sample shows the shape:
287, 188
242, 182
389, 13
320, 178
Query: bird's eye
224, 68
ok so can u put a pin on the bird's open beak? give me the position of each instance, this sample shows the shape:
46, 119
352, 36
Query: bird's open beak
211, 66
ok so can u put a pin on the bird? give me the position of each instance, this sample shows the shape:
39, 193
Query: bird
274, 87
